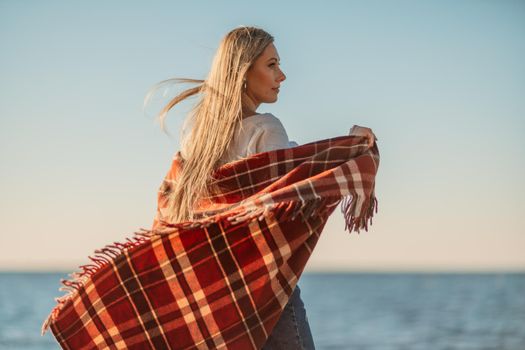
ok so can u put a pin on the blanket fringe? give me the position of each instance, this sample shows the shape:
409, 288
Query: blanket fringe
283, 211
77, 279
357, 221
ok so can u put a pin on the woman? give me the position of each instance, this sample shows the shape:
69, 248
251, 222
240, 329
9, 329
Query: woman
225, 126
209, 274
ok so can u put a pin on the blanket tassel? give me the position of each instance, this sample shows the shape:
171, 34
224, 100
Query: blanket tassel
357, 221
77, 279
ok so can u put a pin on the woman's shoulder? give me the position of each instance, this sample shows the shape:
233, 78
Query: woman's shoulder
261, 118
264, 120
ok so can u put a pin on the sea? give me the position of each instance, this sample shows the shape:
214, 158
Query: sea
356, 310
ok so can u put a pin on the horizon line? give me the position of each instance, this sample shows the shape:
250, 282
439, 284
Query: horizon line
328, 271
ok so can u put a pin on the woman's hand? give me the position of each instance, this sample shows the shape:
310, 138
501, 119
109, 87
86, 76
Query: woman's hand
363, 131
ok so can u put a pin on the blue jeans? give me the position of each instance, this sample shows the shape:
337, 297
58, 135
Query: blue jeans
292, 331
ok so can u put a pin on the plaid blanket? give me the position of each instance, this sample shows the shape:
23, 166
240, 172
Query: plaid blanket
220, 281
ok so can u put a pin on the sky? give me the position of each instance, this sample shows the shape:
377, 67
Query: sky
440, 83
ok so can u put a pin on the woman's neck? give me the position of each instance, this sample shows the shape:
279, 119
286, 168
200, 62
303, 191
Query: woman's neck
249, 107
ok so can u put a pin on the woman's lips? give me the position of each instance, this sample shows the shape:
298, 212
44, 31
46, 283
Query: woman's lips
276, 89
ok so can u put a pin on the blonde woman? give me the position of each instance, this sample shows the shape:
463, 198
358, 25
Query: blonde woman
224, 125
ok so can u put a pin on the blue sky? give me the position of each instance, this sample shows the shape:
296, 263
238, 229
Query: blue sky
441, 84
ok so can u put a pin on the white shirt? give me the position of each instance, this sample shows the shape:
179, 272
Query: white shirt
255, 134
259, 133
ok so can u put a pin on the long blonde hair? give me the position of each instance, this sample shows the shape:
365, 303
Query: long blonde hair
215, 117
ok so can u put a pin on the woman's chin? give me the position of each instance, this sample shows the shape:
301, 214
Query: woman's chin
269, 99
272, 99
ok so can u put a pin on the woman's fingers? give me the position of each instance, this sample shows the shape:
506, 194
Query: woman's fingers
364, 131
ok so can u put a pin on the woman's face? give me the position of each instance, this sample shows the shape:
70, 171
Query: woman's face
264, 77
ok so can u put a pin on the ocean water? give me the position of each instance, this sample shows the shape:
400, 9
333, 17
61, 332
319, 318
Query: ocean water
345, 310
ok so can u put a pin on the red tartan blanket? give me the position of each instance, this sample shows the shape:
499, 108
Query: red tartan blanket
221, 281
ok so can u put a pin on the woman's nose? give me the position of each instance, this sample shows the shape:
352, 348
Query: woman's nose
282, 76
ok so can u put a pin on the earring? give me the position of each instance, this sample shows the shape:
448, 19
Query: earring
244, 85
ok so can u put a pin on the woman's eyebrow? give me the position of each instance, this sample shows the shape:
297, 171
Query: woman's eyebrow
273, 58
